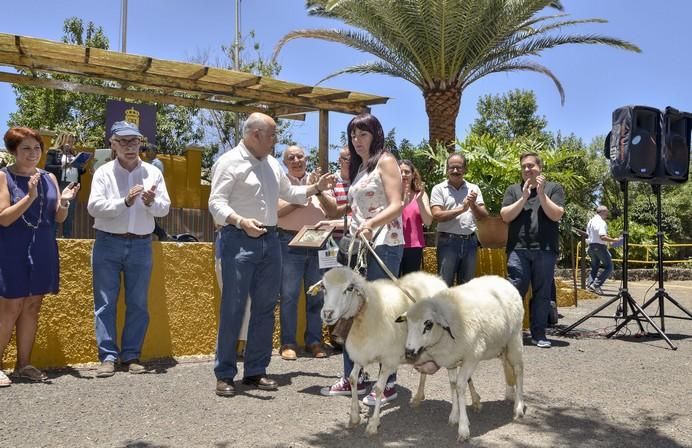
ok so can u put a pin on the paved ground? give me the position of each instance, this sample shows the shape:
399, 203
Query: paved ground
585, 391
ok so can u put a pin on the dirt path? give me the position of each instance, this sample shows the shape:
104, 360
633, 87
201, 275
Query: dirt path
586, 391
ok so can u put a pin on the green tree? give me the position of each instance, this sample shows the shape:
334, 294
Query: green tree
442, 46
509, 115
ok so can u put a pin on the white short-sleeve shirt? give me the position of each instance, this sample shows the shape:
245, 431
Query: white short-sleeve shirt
446, 196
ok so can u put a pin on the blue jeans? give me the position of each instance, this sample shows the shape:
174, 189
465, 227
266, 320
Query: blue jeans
599, 256
112, 256
535, 267
300, 265
391, 256
456, 257
249, 266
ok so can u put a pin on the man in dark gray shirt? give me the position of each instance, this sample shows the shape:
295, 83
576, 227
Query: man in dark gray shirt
532, 209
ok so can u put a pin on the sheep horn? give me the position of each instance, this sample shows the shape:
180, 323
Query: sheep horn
315, 289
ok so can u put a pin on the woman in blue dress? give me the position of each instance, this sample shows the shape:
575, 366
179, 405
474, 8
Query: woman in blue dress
30, 205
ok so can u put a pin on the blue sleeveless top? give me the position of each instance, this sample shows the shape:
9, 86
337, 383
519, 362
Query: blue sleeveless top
28, 250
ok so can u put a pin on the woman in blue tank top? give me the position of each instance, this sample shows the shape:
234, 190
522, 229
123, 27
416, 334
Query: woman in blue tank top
30, 205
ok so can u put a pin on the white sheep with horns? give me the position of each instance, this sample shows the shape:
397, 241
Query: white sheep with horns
375, 336
463, 325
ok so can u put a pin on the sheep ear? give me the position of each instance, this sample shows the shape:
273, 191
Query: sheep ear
316, 288
439, 318
402, 318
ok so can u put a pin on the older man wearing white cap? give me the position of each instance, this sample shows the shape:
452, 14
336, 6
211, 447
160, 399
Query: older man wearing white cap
126, 196
598, 239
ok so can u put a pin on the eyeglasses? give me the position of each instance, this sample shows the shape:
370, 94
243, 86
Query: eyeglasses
130, 142
272, 134
293, 157
345, 159
455, 167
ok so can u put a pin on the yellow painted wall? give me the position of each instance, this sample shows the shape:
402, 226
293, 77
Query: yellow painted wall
183, 304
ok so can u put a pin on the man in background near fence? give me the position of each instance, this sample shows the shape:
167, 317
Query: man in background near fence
532, 209
126, 196
300, 264
598, 239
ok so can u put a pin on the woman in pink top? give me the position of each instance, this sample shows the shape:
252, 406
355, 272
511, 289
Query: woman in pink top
416, 213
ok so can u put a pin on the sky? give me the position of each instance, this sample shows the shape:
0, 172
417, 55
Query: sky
596, 79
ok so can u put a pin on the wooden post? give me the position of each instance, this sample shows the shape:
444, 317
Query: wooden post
323, 151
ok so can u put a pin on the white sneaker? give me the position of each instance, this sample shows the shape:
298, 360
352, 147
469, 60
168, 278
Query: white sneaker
388, 395
541, 343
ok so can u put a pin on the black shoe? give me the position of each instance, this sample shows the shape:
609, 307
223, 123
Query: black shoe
225, 387
260, 382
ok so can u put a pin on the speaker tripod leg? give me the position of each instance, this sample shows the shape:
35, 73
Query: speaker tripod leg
676, 303
639, 310
591, 314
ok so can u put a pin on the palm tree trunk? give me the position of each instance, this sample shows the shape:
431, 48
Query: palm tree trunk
442, 107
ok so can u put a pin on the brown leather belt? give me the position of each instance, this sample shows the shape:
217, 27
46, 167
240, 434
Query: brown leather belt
290, 232
128, 236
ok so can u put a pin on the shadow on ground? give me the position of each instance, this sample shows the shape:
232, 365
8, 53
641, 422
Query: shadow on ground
559, 426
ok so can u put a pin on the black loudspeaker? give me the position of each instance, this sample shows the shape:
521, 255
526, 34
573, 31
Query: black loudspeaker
646, 145
634, 143
675, 146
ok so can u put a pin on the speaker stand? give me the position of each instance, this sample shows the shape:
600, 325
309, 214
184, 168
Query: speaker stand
623, 295
660, 293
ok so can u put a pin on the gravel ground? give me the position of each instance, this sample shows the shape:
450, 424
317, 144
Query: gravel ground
585, 391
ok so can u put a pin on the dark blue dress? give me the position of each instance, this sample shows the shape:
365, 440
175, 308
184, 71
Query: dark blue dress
29, 256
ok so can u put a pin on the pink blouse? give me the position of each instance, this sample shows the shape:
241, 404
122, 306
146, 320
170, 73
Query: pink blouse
413, 225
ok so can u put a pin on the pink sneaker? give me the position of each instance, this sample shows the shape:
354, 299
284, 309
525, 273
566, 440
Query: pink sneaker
388, 395
343, 387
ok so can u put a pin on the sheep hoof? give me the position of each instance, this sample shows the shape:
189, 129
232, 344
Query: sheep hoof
476, 406
453, 420
371, 429
463, 433
354, 421
416, 401
519, 411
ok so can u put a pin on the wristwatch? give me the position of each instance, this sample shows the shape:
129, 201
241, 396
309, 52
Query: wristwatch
67, 204
237, 223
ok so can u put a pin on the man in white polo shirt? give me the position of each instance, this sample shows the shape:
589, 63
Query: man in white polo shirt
598, 239
126, 196
456, 205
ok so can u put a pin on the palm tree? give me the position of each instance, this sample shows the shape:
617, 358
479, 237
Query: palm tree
443, 46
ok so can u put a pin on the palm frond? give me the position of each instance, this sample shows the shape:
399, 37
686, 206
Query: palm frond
376, 67
359, 41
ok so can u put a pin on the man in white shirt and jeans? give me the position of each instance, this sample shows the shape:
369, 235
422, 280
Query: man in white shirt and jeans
246, 185
126, 196
598, 239
456, 204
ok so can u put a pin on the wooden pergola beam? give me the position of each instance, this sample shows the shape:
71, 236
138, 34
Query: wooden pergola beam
333, 96
300, 90
125, 93
149, 80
